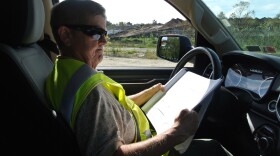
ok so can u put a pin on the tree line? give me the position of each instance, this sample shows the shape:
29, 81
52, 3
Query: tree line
252, 31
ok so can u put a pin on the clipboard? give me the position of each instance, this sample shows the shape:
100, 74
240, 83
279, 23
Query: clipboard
185, 90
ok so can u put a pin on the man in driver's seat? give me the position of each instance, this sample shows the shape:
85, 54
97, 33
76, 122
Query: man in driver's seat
106, 121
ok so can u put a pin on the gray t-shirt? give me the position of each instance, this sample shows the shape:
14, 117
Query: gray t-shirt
103, 124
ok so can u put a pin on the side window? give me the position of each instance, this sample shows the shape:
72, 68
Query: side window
133, 32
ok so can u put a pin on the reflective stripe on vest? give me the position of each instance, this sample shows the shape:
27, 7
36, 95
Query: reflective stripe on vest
68, 96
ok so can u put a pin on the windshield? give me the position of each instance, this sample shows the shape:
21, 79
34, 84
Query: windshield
254, 24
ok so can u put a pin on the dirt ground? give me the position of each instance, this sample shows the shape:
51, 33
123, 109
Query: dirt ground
119, 61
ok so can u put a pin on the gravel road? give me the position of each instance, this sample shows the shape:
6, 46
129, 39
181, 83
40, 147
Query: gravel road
119, 61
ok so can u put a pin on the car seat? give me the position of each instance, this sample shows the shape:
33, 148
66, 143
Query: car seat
29, 125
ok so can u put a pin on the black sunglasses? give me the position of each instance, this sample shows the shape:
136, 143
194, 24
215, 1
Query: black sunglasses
94, 32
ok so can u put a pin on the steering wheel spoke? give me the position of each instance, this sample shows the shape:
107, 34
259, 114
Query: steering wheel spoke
214, 58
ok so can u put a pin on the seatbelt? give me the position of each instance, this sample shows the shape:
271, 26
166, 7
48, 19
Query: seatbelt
48, 45
76, 81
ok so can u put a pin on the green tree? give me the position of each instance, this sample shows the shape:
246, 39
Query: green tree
221, 15
241, 10
122, 25
244, 26
278, 15
154, 22
109, 23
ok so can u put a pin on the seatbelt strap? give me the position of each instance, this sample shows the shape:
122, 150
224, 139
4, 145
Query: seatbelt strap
67, 101
48, 45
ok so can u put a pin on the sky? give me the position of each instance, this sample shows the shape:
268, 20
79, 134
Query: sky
121, 10
265, 8
138, 14
124, 13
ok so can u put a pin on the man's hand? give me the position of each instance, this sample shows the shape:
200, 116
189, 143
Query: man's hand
185, 125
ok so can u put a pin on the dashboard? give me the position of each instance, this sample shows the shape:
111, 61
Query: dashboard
254, 79
257, 75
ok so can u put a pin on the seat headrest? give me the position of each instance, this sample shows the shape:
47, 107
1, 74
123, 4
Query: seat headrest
22, 22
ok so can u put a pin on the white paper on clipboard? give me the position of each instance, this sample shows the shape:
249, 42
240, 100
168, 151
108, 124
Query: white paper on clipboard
185, 90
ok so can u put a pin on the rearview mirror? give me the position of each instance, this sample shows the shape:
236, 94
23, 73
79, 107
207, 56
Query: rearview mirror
173, 47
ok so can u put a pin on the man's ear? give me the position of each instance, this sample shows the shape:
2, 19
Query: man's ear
64, 35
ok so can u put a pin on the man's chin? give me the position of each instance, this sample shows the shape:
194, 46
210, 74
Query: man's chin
100, 58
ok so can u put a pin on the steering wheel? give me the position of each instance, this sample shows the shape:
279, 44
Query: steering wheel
215, 61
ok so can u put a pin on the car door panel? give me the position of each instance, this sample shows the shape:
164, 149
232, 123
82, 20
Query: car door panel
135, 80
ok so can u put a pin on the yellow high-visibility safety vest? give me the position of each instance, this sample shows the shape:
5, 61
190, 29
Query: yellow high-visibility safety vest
70, 83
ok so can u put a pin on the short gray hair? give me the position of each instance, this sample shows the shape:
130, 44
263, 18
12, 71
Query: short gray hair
73, 12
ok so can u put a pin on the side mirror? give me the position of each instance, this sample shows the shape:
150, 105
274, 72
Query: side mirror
173, 47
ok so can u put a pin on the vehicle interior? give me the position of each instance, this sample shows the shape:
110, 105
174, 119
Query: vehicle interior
244, 114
